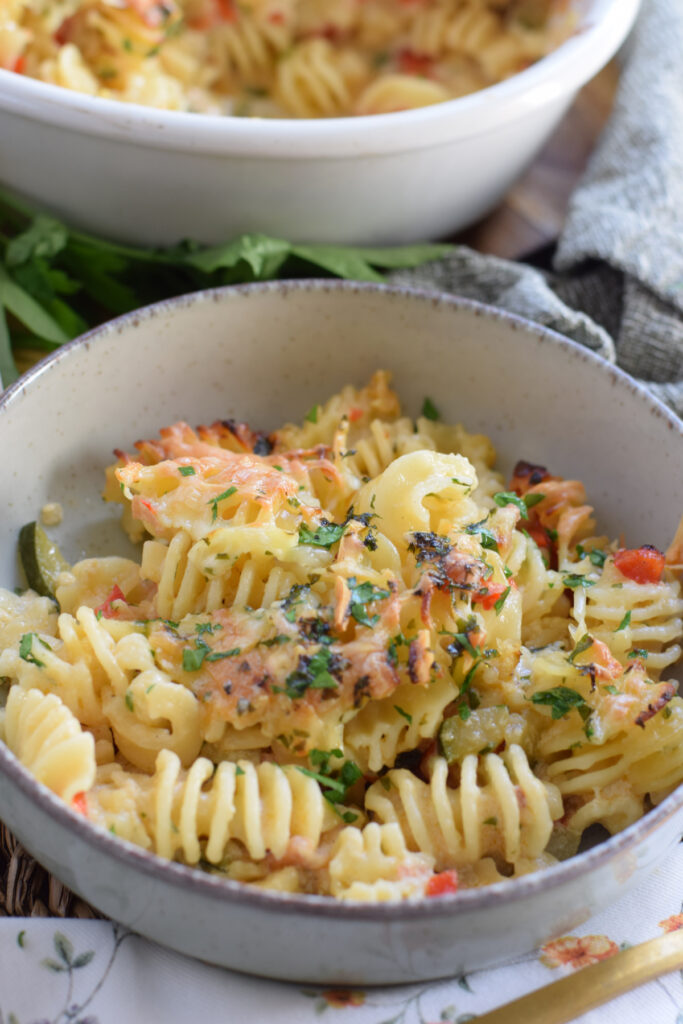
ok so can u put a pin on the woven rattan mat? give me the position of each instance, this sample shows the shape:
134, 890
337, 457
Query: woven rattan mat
27, 890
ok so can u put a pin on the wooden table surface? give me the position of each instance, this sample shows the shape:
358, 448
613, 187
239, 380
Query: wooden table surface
532, 214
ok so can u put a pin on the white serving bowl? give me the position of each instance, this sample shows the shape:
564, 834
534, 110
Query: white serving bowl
267, 353
154, 177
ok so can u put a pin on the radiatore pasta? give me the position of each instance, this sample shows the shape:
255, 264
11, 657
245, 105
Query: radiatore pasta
352, 660
278, 58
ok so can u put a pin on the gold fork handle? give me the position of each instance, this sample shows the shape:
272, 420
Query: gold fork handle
592, 986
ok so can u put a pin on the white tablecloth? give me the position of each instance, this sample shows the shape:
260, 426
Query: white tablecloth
94, 972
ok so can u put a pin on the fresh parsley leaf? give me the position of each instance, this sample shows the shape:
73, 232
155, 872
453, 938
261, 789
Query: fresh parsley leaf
404, 714
575, 580
626, 621
220, 497
430, 411
323, 536
487, 538
219, 655
584, 643
561, 700
503, 498
186, 470
275, 641
312, 672
26, 649
193, 658
362, 594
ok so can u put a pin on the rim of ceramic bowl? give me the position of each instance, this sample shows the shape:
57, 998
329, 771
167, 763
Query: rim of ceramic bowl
604, 26
183, 876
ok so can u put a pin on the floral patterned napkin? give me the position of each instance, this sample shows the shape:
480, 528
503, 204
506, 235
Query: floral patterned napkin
94, 972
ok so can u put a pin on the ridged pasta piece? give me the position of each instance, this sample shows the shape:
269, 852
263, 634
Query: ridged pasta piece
392, 93
648, 758
368, 453
184, 589
318, 80
48, 740
627, 615
246, 49
472, 29
511, 815
374, 865
380, 732
195, 814
377, 400
104, 672
544, 605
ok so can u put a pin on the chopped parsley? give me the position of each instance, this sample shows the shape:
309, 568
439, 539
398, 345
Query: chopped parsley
596, 556
193, 658
637, 652
430, 411
207, 627
294, 599
561, 700
404, 714
323, 536
26, 649
464, 713
335, 786
503, 498
575, 580
313, 672
221, 497
362, 594
312, 414
626, 621
275, 641
584, 644
487, 538
219, 655
501, 600
611, 689
129, 701
186, 470
428, 547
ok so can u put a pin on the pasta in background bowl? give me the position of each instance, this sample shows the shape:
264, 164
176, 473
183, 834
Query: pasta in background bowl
373, 545
411, 163
279, 58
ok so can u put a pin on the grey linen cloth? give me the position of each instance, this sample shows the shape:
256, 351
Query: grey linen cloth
616, 284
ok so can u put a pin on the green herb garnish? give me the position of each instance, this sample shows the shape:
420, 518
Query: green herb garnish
429, 410
626, 621
561, 700
323, 536
362, 594
220, 497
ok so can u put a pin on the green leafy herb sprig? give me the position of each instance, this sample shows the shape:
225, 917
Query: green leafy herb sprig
56, 283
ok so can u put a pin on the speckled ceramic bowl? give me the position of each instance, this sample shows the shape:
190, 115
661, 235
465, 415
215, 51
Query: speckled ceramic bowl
267, 353
154, 177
